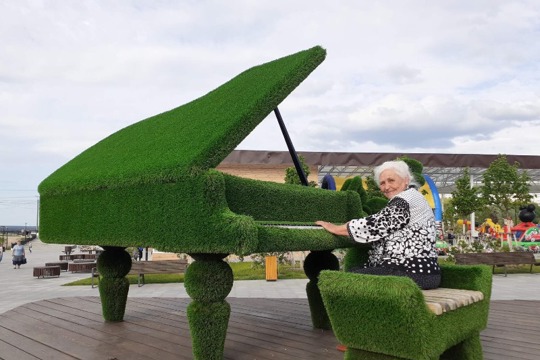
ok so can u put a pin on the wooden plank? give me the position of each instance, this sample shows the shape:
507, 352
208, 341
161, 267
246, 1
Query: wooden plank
35, 338
85, 266
90, 334
13, 346
141, 268
163, 346
239, 335
442, 300
63, 264
46, 271
264, 329
159, 266
496, 258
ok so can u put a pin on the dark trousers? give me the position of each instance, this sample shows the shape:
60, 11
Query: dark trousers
425, 281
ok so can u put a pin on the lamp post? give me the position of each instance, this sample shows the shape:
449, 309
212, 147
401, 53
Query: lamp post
37, 214
4, 237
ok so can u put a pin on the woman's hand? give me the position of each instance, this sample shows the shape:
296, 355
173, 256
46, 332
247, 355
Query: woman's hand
333, 228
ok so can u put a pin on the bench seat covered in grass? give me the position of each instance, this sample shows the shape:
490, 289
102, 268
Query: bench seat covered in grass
389, 317
155, 183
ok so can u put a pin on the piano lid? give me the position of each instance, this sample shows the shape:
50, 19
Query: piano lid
191, 138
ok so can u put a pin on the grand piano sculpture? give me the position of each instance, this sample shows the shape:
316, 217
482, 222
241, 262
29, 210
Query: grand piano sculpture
154, 184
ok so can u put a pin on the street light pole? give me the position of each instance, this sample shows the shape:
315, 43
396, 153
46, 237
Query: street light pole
4, 237
37, 214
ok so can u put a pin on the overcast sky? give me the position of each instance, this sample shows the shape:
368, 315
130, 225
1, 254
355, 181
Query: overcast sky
400, 76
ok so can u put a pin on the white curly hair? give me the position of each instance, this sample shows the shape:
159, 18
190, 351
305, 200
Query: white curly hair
401, 169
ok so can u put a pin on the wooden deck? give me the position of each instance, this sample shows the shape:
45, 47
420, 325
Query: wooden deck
156, 328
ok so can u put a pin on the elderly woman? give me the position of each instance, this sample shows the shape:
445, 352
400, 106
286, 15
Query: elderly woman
402, 233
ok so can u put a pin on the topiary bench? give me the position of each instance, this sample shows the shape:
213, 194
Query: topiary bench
388, 317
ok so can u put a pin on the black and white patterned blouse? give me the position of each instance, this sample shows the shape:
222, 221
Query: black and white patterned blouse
402, 233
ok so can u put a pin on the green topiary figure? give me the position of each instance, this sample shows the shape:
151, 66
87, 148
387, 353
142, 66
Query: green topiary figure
356, 256
355, 184
416, 168
376, 204
113, 265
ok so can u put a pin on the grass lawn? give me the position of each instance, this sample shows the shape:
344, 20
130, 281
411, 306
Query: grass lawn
241, 271
245, 271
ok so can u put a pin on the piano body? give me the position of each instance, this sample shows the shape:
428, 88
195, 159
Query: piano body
154, 183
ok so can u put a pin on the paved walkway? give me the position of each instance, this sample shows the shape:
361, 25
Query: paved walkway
20, 287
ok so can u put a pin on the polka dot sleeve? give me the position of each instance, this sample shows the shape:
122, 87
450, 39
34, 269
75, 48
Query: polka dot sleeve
395, 216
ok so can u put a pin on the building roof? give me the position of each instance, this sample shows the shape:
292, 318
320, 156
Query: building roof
444, 169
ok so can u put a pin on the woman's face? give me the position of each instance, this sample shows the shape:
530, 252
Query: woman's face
391, 183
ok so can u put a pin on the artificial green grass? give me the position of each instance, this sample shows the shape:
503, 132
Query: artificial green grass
154, 183
189, 139
241, 271
388, 315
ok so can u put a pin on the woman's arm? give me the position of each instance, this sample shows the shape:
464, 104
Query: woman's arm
393, 217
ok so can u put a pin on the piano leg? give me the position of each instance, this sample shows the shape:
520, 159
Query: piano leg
113, 265
208, 281
315, 262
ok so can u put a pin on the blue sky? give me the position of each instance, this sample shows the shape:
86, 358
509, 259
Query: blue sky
400, 76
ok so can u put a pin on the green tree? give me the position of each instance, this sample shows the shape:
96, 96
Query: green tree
523, 195
373, 189
465, 199
450, 216
504, 187
291, 175
416, 168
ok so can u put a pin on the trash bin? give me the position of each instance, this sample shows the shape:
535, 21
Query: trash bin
271, 268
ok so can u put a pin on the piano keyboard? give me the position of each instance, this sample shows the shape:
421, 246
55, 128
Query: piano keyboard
293, 226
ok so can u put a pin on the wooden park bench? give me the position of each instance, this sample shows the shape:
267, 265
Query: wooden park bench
399, 320
46, 271
140, 268
63, 265
86, 266
500, 259
80, 256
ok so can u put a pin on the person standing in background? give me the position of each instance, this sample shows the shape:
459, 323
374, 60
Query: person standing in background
140, 252
19, 256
